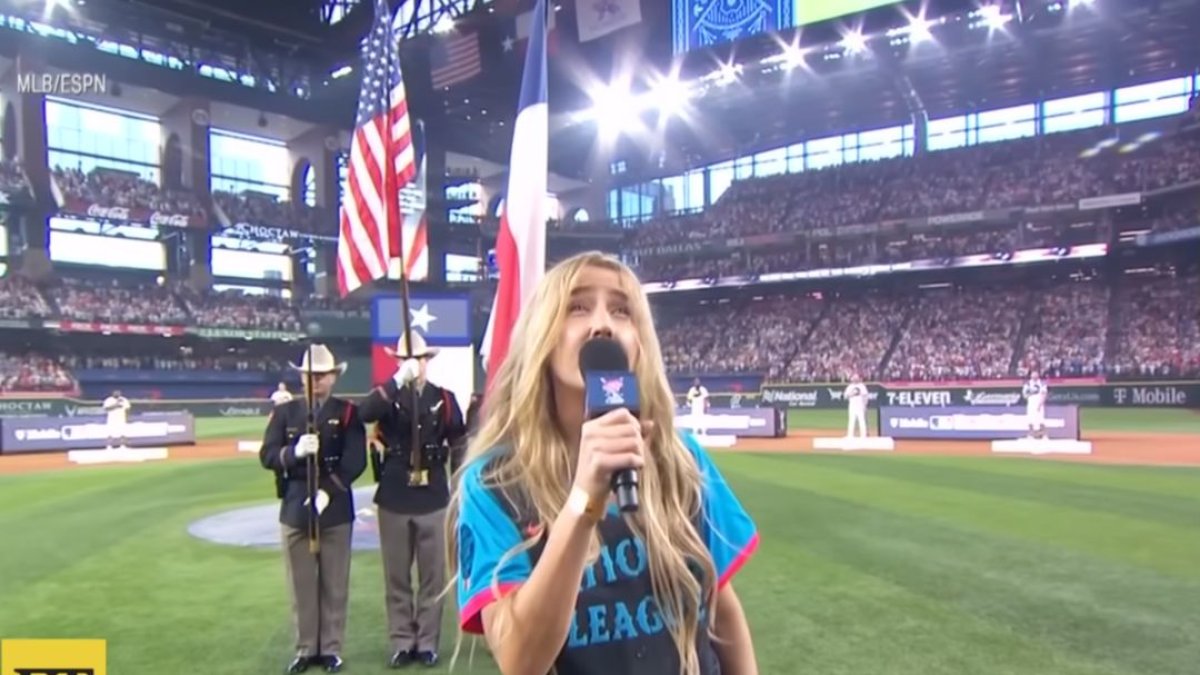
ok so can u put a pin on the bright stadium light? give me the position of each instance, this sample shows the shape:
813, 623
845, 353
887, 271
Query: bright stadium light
854, 42
669, 96
918, 31
614, 110
993, 17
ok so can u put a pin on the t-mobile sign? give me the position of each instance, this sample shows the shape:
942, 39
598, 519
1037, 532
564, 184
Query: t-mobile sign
40, 434
741, 422
990, 423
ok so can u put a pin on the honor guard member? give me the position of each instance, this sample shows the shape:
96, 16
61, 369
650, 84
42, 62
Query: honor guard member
412, 497
336, 446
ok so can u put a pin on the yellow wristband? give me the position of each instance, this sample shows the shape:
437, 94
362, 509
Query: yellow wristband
581, 504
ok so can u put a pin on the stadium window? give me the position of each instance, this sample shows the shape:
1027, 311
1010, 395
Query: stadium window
1003, 124
823, 152
1074, 112
880, 144
90, 249
946, 133
672, 194
743, 168
795, 158
86, 137
693, 190
238, 163
310, 186
850, 148
770, 162
614, 205
343, 170
463, 268
3, 241
1153, 99
241, 259
910, 139
720, 177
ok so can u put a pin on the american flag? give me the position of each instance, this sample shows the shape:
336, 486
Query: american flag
454, 59
382, 161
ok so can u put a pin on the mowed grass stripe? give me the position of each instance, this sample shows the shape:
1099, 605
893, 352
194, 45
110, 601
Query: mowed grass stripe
1092, 612
831, 615
94, 511
1118, 501
1178, 482
1154, 546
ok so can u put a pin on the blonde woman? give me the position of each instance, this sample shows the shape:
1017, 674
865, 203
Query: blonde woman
546, 567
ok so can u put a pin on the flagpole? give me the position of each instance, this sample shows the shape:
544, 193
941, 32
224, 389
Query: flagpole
417, 475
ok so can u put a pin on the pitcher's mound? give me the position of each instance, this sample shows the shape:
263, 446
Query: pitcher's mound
258, 526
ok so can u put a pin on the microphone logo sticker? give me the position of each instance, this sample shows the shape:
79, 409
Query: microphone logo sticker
612, 390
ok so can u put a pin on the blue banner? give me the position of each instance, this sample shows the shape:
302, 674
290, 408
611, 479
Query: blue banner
444, 320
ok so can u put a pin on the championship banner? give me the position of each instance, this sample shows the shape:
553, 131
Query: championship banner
86, 432
114, 328
985, 423
444, 320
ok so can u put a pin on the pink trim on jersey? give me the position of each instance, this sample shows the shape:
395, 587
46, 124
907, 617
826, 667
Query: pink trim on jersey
471, 616
738, 561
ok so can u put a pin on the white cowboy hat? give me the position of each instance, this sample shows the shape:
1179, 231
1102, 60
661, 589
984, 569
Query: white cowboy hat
422, 350
322, 362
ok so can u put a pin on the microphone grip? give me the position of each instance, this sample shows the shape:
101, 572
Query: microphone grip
625, 484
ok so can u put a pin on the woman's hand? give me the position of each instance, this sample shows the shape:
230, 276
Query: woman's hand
610, 443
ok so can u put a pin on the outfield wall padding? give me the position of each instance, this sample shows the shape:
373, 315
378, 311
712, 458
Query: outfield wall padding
84, 432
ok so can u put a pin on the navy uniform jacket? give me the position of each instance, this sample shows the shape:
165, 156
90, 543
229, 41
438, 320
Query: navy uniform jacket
616, 626
442, 439
342, 459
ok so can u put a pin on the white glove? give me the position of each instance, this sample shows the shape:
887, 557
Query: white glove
407, 372
306, 445
322, 501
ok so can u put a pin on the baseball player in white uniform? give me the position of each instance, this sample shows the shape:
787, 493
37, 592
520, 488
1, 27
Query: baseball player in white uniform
281, 395
856, 406
1035, 393
116, 407
697, 398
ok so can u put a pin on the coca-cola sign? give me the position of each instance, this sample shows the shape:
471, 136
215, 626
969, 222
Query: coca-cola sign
107, 212
168, 219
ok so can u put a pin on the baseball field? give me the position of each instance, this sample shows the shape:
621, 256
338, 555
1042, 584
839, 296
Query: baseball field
932, 559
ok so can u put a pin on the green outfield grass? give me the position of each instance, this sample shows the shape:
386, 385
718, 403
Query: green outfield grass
869, 564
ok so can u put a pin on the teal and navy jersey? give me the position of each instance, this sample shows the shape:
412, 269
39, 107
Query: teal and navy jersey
616, 626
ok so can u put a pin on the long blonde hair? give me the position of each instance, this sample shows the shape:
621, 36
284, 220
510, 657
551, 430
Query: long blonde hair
518, 415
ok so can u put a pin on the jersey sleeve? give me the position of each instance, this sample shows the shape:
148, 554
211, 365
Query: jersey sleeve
486, 533
729, 532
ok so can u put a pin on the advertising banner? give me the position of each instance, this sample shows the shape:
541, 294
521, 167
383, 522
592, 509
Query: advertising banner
41, 434
988, 423
741, 422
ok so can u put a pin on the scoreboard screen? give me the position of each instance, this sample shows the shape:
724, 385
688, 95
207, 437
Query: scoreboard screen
698, 24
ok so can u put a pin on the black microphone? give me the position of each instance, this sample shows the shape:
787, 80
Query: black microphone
610, 385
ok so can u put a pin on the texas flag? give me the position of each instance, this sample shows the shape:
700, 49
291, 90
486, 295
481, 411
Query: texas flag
518, 30
521, 241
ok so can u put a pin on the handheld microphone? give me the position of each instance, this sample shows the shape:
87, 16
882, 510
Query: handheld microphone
610, 385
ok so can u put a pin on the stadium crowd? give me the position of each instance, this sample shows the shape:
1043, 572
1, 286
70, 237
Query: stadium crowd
257, 208
112, 187
1035, 172
1068, 329
31, 372
12, 177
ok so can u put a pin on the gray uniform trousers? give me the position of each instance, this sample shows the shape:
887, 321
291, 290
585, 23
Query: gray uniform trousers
405, 538
335, 588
